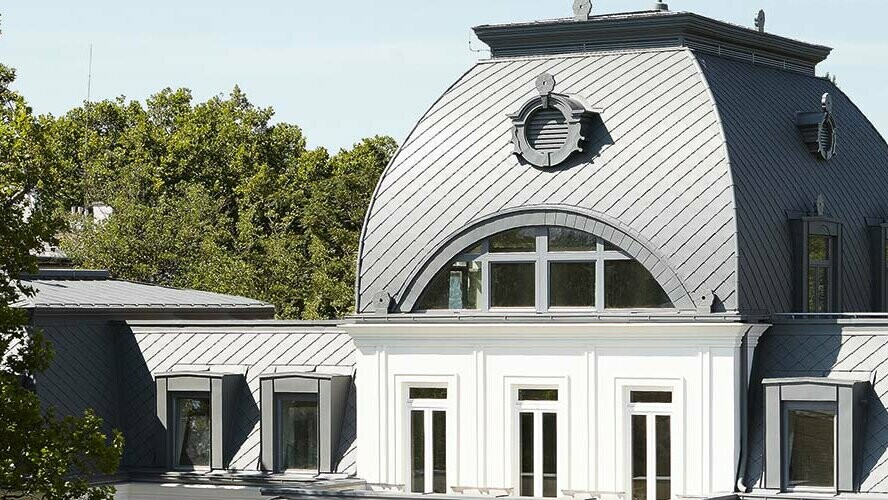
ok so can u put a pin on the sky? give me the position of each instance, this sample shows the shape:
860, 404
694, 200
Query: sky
353, 68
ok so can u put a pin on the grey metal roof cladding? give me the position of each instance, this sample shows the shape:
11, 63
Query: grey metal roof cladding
91, 290
813, 348
253, 348
698, 155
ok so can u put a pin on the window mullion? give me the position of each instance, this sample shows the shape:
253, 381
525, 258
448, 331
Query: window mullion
428, 438
599, 277
538, 453
542, 271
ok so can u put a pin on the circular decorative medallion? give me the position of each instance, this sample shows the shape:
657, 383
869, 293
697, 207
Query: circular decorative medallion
549, 128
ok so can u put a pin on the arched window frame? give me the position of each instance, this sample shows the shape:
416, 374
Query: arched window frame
542, 257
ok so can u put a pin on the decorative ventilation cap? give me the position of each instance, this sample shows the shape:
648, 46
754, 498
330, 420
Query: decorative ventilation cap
549, 128
819, 129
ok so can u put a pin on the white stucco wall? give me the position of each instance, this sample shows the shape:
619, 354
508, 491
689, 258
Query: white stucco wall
593, 365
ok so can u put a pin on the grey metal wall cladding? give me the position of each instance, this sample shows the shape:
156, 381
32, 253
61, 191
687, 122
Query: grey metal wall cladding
774, 173
658, 165
858, 357
144, 350
83, 372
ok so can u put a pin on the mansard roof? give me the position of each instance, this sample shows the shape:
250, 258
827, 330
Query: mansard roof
697, 157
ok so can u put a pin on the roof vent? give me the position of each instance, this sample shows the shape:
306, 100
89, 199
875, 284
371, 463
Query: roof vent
819, 129
549, 128
661, 6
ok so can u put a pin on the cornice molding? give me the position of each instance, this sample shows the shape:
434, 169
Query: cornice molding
603, 334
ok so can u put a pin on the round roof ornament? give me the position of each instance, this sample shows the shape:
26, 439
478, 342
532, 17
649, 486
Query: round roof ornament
582, 9
549, 128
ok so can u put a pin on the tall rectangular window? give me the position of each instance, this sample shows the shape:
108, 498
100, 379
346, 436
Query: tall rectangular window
428, 439
650, 445
810, 447
298, 422
820, 267
192, 432
538, 442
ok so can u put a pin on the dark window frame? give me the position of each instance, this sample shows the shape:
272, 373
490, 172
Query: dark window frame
848, 397
220, 389
879, 262
331, 392
279, 399
802, 228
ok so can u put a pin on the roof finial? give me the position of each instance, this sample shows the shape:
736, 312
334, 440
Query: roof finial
545, 84
760, 21
582, 9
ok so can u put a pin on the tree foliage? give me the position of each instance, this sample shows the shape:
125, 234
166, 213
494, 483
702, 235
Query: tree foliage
41, 455
215, 196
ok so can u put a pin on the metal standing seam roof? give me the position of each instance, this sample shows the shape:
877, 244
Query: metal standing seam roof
110, 293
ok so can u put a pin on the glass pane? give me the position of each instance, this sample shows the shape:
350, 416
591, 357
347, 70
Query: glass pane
550, 455
664, 457
516, 240
299, 434
439, 452
428, 393
627, 284
639, 457
810, 447
572, 284
512, 285
417, 450
537, 394
610, 247
818, 247
562, 239
456, 287
193, 432
526, 446
818, 289
650, 397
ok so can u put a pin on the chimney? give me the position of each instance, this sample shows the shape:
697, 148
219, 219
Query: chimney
661, 6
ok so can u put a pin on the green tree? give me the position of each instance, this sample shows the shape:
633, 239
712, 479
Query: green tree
41, 455
215, 196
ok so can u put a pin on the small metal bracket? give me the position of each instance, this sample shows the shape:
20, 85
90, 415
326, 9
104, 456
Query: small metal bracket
382, 303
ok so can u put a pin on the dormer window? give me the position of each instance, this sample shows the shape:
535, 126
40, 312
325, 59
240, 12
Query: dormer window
544, 269
818, 256
195, 410
879, 262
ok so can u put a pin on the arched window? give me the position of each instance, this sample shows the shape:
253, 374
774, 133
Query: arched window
543, 269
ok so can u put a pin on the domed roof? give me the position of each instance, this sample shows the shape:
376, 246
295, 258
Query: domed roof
692, 164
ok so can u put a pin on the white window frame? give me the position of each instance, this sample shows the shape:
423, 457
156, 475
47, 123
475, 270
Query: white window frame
537, 408
821, 406
427, 406
625, 386
651, 411
541, 258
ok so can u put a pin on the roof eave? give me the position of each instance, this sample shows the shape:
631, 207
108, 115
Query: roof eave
665, 29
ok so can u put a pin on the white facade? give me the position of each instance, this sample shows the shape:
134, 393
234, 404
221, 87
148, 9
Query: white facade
594, 366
